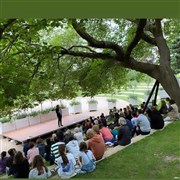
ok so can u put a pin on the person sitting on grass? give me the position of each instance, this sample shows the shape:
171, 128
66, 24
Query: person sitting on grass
78, 135
55, 147
173, 112
32, 152
39, 170
20, 167
86, 159
65, 163
143, 126
156, 119
73, 147
163, 109
3, 162
106, 134
114, 132
9, 161
124, 134
96, 144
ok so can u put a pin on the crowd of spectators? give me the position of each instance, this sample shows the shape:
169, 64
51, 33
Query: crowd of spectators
74, 151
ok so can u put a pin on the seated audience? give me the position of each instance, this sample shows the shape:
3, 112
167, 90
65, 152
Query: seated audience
134, 122
124, 134
156, 119
39, 170
78, 135
26, 147
86, 159
96, 144
48, 156
55, 147
41, 146
106, 134
3, 162
73, 147
9, 161
65, 163
32, 152
143, 125
163, 109
103, 120
173, 112
114, 132
20, 167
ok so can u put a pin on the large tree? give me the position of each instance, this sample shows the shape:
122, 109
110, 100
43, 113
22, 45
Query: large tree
88, 56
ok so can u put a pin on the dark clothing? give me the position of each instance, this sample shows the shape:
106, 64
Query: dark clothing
41, 148
163, 109
9, 163
116, 118
3, 165
59, 115
124, 135
129, 117
129, 124
142, 133
25, 149
104, 122
21, 170
157, 121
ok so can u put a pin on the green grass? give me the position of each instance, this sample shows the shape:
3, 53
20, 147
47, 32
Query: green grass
155, 157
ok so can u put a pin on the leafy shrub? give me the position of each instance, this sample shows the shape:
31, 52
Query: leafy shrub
74, 103
112, 100
133, 96
35, 113
21, 116
5, 119
92, 101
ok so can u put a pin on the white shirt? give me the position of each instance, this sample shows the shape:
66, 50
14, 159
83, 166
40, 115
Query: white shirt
71, 171
79, 137
34, 173
73, 148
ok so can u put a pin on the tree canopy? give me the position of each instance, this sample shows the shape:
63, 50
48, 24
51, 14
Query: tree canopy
58, 58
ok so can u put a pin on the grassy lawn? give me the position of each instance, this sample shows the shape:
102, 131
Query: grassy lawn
155, 157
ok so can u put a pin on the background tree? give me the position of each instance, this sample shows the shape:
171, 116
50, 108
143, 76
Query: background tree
61, 57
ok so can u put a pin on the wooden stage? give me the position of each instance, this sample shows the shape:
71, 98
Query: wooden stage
32, 132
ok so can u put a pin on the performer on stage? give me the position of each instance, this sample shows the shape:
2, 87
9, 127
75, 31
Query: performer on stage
59, 115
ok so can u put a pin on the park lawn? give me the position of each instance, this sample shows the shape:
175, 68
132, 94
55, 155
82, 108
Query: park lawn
154, 157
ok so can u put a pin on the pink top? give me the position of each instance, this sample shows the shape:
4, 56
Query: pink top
106, 133
32, 153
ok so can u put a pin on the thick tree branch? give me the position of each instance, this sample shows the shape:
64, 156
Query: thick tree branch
136, 39
149, 39
82, 47
7, 24
149, 27
98, 44
161, 44
133, 64
92, 55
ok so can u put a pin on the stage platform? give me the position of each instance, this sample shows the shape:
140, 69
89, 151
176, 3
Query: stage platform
32, 132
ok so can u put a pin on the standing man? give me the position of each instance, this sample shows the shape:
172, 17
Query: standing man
59, 115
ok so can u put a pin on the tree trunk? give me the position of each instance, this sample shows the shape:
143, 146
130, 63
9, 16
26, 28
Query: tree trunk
169, 82
163, 74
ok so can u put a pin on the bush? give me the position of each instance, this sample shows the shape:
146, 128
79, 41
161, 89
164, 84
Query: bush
35, 113
133, 96
112, 100
21, 116
92, 101
5, 119
75, 103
